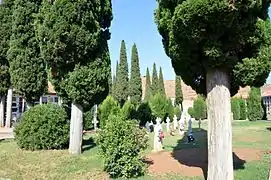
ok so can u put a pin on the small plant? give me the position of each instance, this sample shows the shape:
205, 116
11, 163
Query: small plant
43, 127
121, 144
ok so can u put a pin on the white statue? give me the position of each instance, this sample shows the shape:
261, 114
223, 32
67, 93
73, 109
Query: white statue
168, 124
175, 122
158, 136
181, 126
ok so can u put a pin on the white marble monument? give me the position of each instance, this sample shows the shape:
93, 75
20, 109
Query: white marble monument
175, 122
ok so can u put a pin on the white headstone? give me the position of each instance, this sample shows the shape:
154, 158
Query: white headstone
168, 124
157, 146
175, 122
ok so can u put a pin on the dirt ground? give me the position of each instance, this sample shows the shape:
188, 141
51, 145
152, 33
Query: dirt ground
193, 162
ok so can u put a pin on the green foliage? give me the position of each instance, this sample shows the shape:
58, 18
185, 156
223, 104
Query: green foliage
73, 39
108, 106
135, 78
114, 83
128, 110
191, 112
243, 109
235, 108
155, 81
144, 113
88, 118
5, 29
254, 105
110, 82
27, 67
161, 83
178, 91
161, 106
195, 37
200, 108
170, 110
122, 86
43, 127
177, 111
148, 91
121, 144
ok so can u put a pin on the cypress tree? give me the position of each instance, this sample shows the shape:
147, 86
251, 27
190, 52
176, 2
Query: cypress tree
178, 91
122, 86
110, 82
135, 79
114, 83
5, 29
148, 92
161, 83
27, 68
155, 81
254, 105
243, 109
235, 108
73, 38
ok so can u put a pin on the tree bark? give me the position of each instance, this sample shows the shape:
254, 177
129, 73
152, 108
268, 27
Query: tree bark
95, 117
2, 111
76, 129
220, 160
9, 108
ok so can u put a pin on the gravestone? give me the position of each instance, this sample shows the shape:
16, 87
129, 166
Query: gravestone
157, 146
168, 124
189, 126
181, 126
175, 122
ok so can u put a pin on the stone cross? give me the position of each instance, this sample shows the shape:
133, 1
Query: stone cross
95, 120
157, 146
175, 122
168, 124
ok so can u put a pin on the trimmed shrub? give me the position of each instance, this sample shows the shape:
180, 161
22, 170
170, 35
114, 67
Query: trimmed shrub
144, 113
43, 127
121, 144
177, 111
235, 108
191, 111
200, 108
128, 110
254, 105
243, 109
170, 110
109, 106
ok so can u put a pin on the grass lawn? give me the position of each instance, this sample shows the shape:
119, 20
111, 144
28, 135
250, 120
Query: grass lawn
19, 164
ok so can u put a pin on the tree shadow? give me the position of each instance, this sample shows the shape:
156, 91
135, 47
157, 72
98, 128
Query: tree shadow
196, 155
269, 128
88, 144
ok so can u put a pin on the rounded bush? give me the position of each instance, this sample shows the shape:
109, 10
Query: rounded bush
43, 127
177, 111
144, 113
121, 144
128, 110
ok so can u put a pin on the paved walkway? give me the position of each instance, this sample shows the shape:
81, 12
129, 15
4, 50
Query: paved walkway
6, 133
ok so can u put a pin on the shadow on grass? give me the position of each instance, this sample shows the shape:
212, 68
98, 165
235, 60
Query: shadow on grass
197, 155
88, 144
269, 128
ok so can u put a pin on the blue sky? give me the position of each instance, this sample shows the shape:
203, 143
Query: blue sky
134, 22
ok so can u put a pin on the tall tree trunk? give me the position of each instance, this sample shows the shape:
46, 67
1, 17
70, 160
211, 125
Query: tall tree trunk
23, 102
76, 129
2, 111
95, 122
9, 108
220, 162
